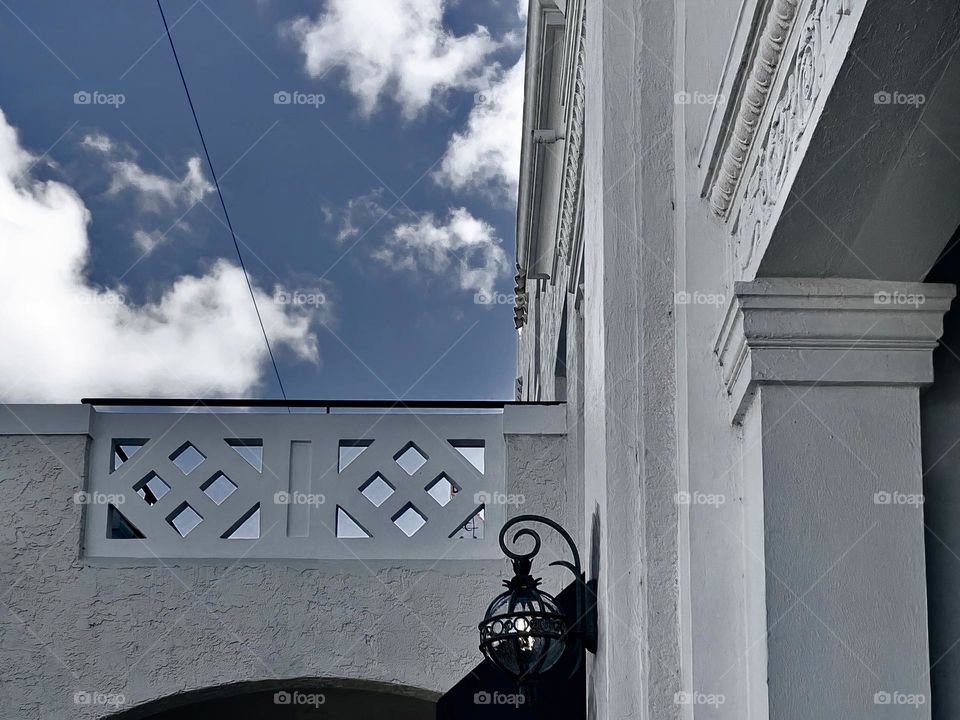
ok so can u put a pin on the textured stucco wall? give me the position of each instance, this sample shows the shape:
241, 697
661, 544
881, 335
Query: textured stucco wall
714, 614
629, 376
845, 579
148, 630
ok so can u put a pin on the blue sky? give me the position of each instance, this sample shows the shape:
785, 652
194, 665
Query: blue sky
381, 198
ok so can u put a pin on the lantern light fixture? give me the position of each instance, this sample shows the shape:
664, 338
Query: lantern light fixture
526, 631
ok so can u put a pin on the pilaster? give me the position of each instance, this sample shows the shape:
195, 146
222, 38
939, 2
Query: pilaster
824, 377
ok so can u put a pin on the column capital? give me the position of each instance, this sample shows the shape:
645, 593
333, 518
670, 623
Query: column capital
828, 332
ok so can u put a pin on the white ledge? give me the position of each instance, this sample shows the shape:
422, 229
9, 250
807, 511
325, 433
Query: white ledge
829, 332
535, 419
45, 419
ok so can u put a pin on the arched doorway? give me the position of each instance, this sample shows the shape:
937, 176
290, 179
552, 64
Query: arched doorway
306, 699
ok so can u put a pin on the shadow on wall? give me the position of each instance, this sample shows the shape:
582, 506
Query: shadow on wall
939, 420
305, 699
487, 694
594, 574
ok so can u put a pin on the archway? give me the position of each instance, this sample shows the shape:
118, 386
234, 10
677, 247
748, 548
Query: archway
302, 699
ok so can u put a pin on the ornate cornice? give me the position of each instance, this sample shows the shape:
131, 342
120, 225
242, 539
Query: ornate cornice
779, 74
768, 52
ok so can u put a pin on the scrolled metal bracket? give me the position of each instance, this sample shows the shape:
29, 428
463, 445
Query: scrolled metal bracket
584, 625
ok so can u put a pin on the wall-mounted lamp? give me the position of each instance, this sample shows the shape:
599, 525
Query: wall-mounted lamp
525, 631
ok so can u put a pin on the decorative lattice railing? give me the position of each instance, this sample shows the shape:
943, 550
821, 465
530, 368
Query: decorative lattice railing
326, 486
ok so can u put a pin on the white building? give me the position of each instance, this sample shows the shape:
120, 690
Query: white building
730, 218
734, 233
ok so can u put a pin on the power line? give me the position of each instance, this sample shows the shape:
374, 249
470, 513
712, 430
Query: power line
223, 204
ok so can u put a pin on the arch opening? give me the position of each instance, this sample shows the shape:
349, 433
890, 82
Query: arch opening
297, 699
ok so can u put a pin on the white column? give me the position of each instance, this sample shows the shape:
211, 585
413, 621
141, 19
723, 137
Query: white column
824, 377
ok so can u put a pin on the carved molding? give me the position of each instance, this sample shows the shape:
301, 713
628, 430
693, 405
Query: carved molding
787, 77
770, 45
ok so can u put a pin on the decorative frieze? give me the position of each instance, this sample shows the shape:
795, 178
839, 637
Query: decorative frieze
787, 73
770, 47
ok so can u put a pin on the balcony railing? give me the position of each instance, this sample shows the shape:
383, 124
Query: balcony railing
169, 483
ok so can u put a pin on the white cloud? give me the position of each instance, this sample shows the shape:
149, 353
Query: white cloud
155, 192
364, 213
486, 155
98, 142
397, 48
147, 241
464, 244
64, 338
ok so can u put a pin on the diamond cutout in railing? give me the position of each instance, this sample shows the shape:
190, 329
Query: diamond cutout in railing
347, 527
350, 450
187, 458
119, 528
249, 450
472, 527
123, 450
409, 520
472, 451
151, 488
442, 489
410, 458
184, 519
218, 488
377, 490
247, 527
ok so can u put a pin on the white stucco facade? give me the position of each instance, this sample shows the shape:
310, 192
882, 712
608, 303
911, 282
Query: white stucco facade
133, 625
743, 325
